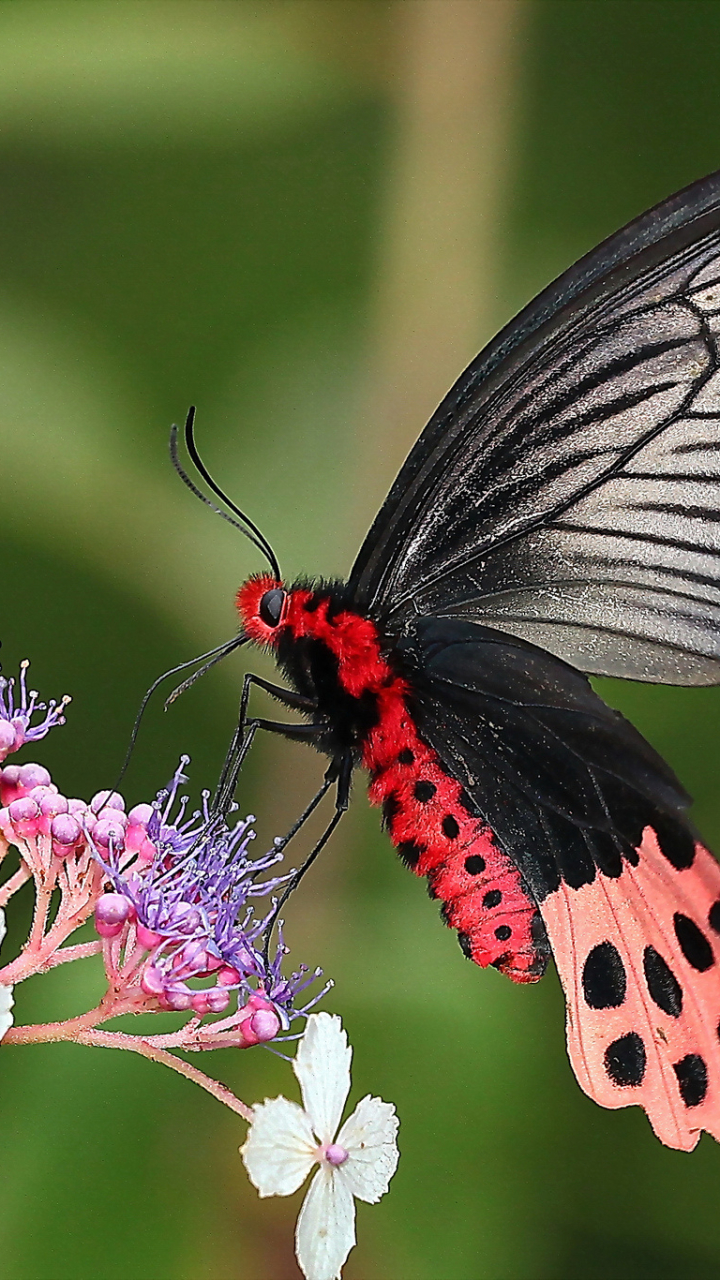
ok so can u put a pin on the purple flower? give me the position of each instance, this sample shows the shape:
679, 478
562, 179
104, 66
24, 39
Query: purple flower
15, 727
187, 886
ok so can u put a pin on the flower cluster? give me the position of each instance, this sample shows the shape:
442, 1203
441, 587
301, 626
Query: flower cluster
181, 912
174, 897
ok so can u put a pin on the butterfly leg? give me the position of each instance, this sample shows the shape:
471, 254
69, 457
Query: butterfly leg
246, 729
339, 772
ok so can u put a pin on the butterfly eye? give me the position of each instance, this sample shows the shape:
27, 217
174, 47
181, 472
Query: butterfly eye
271, 606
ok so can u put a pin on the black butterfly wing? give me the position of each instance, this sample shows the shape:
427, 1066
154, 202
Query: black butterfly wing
568, 488
595, 821
566, 784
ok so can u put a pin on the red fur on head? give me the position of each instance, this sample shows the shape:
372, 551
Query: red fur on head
248, 600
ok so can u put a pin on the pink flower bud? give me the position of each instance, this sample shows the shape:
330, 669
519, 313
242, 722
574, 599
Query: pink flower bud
140, 815
152, 981
33, 775
9, 781
112, 912
259, 1001
25, 816
109, 831
217, 1000
227, 976
50, 801
147, 938
7, 738
260, 1026
179, 997
107, 800
65, 832
186, 917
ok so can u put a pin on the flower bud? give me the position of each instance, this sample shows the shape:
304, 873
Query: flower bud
261, 1026
33, 775
140, 815
228, 976
24, 815
152, 981
112, 912
7, 738
179, 997
147, 938
65, 832
107, 800
109, 831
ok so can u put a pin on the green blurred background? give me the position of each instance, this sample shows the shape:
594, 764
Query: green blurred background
305, 218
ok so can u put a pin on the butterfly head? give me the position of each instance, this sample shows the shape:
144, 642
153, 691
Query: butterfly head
263, 603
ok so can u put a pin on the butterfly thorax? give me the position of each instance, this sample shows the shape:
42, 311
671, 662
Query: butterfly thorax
338, 657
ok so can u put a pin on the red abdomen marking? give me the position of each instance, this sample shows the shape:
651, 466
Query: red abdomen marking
429, 821
428, 817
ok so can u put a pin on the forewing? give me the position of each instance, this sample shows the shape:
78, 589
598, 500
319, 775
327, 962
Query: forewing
568, 488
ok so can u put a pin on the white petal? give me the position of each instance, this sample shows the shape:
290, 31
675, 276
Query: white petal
325, 1231
3, 926
279, 1151
6, 1004
322, 1065
369, 1136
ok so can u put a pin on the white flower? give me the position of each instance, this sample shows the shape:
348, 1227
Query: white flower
285, 1141
6, 993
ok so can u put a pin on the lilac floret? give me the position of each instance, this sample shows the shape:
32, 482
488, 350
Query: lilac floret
15, 717
193, 908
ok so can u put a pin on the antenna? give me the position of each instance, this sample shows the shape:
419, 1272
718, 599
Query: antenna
243, 523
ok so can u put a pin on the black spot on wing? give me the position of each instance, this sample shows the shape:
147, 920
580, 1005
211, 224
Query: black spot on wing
693, 943
626, 1059
675, 840
492, 899
503, 932
662, 984
450, 827
406, 756
692, 1078
604, 979
714, 916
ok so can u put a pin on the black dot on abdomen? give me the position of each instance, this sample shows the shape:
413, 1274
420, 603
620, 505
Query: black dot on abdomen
424, 791
492, 899
474, 865
604, 979
714, 916
502, 933
692, 1079
662, 984
693, 943
625, 1060
450, 827
410, 852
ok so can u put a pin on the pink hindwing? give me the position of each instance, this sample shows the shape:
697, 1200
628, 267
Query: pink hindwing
639, 960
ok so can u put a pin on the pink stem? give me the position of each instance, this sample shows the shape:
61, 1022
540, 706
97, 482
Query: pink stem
118, 1040
78, 952
11, 886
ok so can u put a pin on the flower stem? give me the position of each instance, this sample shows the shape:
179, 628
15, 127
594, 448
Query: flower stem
83, 1030
15, 882
118, 1040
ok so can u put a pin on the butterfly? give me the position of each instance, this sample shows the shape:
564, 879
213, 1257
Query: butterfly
558, 517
